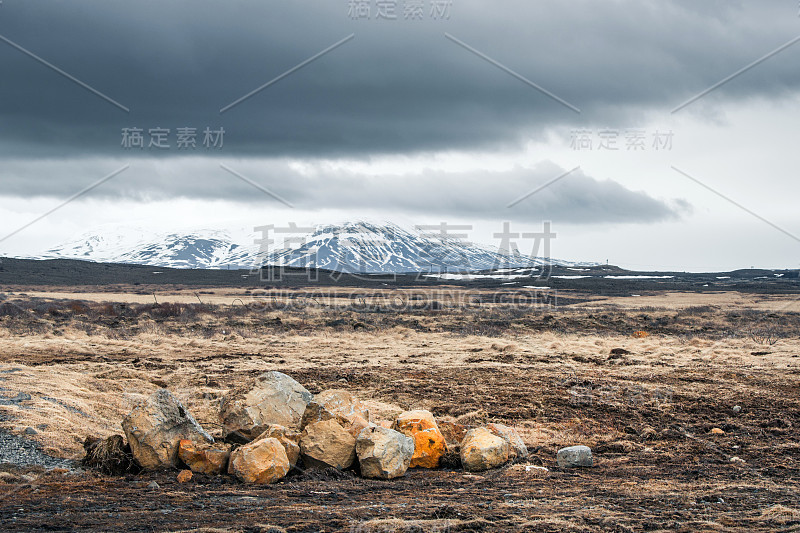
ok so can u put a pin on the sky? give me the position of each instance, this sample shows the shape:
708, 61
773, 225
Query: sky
655, 135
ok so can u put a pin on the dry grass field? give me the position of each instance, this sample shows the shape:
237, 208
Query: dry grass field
646, 408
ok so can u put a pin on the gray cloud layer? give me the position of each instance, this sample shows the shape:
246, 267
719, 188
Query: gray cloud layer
577, 198
398, 87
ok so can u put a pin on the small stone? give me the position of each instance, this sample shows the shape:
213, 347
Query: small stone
737, 409
574, 456
532, 468
736, 460
153, 485
184, 476
717, 431
30, 431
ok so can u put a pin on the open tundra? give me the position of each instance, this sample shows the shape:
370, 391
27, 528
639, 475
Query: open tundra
690, 411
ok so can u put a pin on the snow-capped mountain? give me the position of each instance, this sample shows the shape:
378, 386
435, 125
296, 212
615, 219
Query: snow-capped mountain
195, 249
358, 247
362, 247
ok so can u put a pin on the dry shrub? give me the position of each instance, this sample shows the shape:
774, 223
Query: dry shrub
9, 309
396, 525
107, 310
780, 514
110, 456
78, 308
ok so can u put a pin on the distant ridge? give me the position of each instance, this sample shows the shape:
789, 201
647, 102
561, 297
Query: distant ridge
353, 247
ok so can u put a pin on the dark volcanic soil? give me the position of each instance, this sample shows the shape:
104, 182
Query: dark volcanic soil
656, 468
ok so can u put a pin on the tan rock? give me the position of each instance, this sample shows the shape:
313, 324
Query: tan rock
385, 423
204, 458
717, 431
327, 444
337, 405
333, 403
155, 427
383, 453
288, 438
429, 443
517, 450
263, 461
381, 410
482, 450
356, 425
272, 398
184, 476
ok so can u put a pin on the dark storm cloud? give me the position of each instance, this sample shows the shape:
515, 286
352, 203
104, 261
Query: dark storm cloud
397, 87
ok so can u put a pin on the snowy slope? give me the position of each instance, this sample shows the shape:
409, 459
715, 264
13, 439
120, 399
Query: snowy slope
363, 247
357, 247
194, 249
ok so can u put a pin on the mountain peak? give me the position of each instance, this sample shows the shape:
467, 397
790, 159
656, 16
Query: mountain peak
355, 247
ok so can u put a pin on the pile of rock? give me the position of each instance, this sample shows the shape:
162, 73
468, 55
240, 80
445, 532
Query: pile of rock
273, 424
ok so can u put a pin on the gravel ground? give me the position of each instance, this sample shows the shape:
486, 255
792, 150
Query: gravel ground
23, 452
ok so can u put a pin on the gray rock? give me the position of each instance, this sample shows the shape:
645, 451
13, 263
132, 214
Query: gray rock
21, 397
574, 456
737, 409
383, 453
153, 485
155, 427
30, 431
273, 398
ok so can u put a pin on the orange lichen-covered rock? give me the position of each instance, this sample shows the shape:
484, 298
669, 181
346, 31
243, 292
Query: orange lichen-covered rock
184, 476
429, 443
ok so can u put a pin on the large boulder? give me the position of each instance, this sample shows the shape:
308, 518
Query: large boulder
482, 450
383, 453
429, 443
204, 458
337, 405
327, 444
290, 440
156, 426
574, 456
263, 461
272, 398
517, 450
